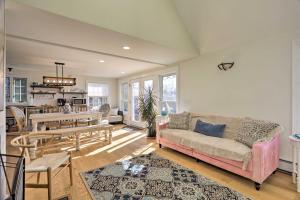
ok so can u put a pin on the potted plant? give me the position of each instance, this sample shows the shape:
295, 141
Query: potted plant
147, 108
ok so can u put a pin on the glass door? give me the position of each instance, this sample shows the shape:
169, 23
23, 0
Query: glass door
135, 101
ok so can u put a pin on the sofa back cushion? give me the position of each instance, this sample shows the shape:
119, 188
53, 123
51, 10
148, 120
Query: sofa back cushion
214, 130
232, 123
252, 131
179, 121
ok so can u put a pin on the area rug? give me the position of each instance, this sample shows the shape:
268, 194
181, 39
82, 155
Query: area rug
150, 177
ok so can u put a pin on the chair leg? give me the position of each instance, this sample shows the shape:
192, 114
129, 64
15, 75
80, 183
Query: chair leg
49, 176
71, 171
38, 177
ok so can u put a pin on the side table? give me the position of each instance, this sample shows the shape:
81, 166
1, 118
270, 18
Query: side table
296, 160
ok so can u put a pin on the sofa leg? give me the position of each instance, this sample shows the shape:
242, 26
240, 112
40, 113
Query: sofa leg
274, 172
197, 160
160, 146
257, 186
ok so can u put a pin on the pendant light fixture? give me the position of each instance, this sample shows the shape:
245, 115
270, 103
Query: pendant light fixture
59, 80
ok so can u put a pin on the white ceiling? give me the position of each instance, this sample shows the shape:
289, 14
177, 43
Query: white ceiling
30, 55
36, 38
216, 25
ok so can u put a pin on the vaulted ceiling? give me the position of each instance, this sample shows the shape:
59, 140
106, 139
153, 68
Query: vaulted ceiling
159, 32
215, 25
38, 33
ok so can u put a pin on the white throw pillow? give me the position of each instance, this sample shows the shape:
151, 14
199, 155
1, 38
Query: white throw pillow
114, 111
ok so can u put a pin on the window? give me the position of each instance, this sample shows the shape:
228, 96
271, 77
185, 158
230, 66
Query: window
168, 93
97, 95
124, 97
135, 101
19, 89
7, 89
148, 84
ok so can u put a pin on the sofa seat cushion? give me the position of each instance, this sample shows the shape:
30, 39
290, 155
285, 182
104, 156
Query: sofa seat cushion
214, 146
115, 118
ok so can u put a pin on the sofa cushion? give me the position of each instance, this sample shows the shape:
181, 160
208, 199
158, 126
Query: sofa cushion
232, 123
214, 130
213, 146
179, 121
115, 118
114, 111
253, 131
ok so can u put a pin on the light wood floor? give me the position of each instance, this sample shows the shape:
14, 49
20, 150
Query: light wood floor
96, 154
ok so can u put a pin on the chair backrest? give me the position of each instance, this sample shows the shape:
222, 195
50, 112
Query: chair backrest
105, 109
22, 143
19, 117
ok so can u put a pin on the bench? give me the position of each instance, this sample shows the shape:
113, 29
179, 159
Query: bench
76, 131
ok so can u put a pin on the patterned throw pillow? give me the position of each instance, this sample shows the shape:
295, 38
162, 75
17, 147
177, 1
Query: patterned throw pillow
252, 131
179, 121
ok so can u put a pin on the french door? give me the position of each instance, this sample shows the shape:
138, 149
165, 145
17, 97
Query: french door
138, 87
135, 101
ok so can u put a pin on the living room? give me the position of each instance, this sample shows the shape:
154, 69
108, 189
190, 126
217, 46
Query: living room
226, 68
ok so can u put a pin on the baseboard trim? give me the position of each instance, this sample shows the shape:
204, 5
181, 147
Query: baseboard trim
285, 165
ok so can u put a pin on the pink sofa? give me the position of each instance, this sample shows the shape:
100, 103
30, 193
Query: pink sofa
263, 162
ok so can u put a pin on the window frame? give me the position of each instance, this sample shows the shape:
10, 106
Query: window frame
88, 96
124, 100
161, 76
12, 95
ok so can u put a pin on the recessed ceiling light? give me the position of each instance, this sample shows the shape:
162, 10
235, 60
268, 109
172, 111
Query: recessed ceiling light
126, 47
102, 61
122, 72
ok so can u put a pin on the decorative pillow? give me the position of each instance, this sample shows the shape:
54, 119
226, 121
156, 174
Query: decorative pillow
214, 130
179, 121
114, 111
253, 131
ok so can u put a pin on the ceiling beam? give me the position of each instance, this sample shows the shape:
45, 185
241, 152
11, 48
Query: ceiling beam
11, 36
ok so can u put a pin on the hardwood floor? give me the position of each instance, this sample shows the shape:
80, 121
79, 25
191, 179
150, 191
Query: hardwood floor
125, 145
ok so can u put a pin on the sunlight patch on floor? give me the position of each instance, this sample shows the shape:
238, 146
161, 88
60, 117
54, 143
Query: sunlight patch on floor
126, 143
119, 132
142, 149
115, 143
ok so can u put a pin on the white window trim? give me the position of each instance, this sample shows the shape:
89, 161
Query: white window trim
99, 82
11, 77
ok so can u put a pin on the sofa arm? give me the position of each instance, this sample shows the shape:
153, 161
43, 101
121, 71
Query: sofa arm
265, 158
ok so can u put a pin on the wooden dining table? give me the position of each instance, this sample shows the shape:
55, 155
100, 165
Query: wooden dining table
60, 116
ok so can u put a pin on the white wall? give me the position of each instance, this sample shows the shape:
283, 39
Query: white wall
258, 86
81, 83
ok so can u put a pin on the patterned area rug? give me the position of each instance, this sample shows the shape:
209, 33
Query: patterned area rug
150, 177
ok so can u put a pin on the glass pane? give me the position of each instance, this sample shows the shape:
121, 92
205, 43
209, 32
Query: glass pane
96, 89
148, 84
7, 89
169, 93
125, 106
17, 98
20, 89
135, 96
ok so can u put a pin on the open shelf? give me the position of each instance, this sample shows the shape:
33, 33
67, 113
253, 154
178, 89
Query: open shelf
80, 93
46, 86
43, 93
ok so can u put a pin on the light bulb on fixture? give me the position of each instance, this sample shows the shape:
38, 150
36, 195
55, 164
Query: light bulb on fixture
126, 47
101, 61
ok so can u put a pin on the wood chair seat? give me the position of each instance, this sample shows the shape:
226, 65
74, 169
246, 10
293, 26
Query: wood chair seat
52, 161
47, 163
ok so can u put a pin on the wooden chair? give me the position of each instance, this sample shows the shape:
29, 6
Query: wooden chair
48, 163
105, 110
20, 119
